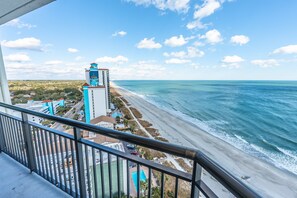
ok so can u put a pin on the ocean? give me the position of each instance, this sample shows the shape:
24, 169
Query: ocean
257, 117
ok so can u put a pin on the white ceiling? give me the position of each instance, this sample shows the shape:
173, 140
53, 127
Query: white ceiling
11, 9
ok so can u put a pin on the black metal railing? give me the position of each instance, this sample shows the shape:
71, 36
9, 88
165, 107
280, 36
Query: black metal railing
83, 168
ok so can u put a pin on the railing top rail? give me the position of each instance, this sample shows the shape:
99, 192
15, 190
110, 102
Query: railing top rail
142, 141
223, 176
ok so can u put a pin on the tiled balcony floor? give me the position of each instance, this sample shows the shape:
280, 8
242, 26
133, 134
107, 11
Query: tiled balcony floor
17, 181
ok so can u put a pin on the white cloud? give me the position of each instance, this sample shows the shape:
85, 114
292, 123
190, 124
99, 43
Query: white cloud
118, 59
232, 61
19, 24
17, 58
194, 52
51, 70
180, 54
176, 41
240, 39
53, 62
148, 69
72, 50
173, 5
24, 43
177, 61
120, 33
265, 62
212, 36
78, 58
191, 52
206, 9
198, 44
148, 44
289, 49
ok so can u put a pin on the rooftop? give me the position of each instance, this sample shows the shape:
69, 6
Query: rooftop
103, 119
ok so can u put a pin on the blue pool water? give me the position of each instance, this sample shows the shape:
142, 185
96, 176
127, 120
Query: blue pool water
134, 177
258, 117
116, 114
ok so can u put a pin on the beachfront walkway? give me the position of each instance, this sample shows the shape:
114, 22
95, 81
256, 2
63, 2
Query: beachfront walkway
17, 181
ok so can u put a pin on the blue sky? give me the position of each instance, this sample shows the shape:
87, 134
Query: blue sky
155, 39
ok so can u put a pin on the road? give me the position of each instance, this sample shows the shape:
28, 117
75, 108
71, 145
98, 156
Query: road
69, 114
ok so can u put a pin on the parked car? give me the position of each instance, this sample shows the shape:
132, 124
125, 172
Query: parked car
134, 152
130, 146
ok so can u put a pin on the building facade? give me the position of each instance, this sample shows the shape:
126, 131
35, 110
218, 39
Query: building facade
46, 106
96, 92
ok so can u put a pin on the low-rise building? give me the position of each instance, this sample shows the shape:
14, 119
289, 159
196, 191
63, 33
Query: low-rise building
46, 106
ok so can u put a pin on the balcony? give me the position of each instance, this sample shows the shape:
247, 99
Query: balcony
19, 182
83, 168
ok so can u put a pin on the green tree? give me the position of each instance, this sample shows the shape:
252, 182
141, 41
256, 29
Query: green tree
156, 192
126, 123
118, 119
132, 127
143, 188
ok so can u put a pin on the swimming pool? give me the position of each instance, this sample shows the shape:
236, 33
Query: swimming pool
134, 177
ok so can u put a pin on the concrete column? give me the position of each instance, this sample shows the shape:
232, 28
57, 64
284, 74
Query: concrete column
4, 91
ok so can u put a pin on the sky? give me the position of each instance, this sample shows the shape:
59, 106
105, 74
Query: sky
154, 39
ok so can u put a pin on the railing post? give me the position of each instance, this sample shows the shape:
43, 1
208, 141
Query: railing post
80, 163
2, 138
27, 134
196, 176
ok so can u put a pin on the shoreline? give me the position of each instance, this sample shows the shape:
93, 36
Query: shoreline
264, 178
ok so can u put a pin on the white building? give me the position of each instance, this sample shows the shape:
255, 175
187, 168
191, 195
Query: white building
46, 106
97, 101
104, 80
96, 92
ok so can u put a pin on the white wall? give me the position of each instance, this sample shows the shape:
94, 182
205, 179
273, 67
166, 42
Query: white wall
87, 74
105, 83
97, 102
4, 91
106, 125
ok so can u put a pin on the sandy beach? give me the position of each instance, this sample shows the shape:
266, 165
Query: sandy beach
264, 178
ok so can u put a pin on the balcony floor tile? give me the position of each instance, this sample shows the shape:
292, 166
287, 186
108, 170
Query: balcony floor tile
16, 181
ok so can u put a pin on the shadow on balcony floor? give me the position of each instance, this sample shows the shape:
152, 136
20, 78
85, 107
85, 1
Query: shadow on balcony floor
17, 181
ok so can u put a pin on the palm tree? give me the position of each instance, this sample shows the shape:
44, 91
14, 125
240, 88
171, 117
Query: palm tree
125, 122
132, 127
156, 192
143, 188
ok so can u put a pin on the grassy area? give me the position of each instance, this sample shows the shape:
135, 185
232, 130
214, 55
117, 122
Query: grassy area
169, 164
136, 113
125, 100
114, 92
126, 113
154, 132
184, 165
23, 90
161, 139
140, 133
145, 123
150, 154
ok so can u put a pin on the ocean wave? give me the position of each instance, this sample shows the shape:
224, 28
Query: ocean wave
240, 138
289, 153
284, 161
282, 158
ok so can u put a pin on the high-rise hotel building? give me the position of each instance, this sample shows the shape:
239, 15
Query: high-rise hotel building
96, 92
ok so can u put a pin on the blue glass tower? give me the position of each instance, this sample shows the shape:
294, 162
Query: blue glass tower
94, 75
86, 101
